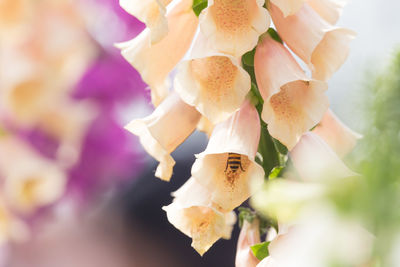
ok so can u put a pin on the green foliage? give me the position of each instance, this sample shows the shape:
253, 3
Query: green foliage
260, 250
274, 34
198, 6
246, 214
375, 196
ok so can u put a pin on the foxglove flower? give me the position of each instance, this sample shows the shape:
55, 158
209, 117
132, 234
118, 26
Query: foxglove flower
249, 236
193, 213
152, 13
154, 62
227, 167
233, 26
293, 103
321, 46
164, 130
214, 83
337, 135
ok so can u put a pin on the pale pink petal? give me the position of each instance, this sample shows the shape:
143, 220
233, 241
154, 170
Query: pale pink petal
314, 160
240, 135
216, 85
322, 47
249, 236
155, 62
152, 13
288, 7
329, 10
337, 135
164, 130
193, 213
233, 26
293, 104
268, 262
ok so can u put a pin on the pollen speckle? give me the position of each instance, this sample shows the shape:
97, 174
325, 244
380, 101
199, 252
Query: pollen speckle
233, 16
216, 76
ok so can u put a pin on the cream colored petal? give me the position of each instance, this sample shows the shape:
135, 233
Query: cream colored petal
331, 53
192, 213
314, 160
233, 26
268, 262
155, 62
164, 130
293, 104
205, 126
337, 135
288, 7
216, 85
322, 47
152, 13
249, 236
32, 181
231, 183
329, 10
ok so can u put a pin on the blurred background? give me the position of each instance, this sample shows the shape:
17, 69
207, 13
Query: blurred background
77, 189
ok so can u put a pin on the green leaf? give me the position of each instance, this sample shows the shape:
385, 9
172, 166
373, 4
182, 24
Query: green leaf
275, 172
274, 35
246, 214
198, 6
248, 58
260, 250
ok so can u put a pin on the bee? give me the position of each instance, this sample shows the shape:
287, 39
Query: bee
234, 162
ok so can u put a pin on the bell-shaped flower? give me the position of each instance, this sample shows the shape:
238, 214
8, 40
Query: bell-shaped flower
249, 236
288, 7
152, 13
293, 104
233, 26
337, 135
314, 160
321, 46
32, 181
329, 10
193, 213
214, 83
164, 130
227, 167
155, 62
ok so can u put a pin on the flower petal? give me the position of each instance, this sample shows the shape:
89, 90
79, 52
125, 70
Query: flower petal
233, 26
227, 168
192, 213
164, 130
288, 7
152, 13
314, 160
322, 47
249, 236
155, 62
329, 10
293, 104
216, 85
337, 135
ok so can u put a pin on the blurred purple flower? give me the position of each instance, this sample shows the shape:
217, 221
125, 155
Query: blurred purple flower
109, 80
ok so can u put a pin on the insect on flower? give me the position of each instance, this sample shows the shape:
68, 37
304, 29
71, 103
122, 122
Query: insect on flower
234, 162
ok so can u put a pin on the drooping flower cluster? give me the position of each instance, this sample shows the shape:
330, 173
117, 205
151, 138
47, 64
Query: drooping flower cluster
221, 72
